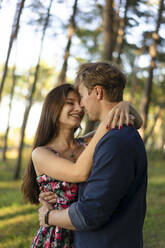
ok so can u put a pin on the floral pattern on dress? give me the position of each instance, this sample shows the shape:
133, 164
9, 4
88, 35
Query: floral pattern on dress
54, 236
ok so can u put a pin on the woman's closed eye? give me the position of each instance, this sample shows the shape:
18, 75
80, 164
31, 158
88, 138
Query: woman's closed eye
71, 103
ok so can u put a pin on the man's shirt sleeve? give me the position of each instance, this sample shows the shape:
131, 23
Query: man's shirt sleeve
112, 174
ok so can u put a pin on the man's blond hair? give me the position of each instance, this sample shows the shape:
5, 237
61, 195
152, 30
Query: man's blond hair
109, 76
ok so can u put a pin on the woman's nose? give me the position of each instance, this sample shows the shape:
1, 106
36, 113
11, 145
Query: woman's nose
79, 108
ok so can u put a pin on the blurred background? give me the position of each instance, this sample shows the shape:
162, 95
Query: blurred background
42, 44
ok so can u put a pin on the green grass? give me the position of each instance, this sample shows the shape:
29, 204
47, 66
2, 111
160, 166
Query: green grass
19, 221
154, 228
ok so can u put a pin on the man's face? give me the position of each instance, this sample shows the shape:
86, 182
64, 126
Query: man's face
89, 102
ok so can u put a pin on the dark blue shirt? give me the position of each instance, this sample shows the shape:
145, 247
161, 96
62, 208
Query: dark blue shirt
111, 207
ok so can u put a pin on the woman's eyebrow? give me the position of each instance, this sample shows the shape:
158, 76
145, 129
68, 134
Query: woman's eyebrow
72, 99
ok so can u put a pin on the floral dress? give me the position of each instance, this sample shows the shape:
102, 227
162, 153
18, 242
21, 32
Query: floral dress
54, 236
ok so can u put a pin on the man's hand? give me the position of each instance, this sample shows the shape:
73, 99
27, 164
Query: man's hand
48, 198
58, 217
42, 212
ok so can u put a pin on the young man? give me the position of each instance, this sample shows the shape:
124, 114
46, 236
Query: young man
111, 207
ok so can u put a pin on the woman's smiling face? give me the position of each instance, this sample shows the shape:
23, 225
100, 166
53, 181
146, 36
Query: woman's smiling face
72, 113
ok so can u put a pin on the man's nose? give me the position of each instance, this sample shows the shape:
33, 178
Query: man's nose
81, 104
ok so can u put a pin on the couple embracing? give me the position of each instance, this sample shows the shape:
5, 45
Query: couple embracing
99, 180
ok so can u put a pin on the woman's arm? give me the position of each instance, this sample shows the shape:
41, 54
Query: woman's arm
117, 115
46, 162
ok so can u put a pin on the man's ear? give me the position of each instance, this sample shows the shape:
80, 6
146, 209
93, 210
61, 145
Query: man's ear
99, 92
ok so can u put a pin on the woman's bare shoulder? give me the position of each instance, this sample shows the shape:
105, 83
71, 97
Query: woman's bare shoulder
39, 150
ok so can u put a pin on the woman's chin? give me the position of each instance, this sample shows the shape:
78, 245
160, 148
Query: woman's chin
74, 124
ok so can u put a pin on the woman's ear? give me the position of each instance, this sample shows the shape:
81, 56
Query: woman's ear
99, 92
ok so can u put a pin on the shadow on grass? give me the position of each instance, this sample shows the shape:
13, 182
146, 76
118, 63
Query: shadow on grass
19, 231
18, 213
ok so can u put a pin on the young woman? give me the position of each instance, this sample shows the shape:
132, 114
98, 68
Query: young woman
61, 116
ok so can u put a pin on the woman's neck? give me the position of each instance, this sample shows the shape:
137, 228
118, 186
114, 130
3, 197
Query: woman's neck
64, 140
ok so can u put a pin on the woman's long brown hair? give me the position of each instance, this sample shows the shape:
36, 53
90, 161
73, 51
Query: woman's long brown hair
47, 129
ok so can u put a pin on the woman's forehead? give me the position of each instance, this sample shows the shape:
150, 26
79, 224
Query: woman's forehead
73, 95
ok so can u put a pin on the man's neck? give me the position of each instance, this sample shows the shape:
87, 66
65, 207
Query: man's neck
105, 108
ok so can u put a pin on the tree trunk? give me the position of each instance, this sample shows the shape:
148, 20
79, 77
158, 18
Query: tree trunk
156, 118
133, 85
71, 31
9, 114
116, 23
121, 33
108, 35
13, 36
21, 144
163, 142
153, 53
108, 18
30, 98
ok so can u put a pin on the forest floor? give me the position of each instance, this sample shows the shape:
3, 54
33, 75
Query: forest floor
19, 221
